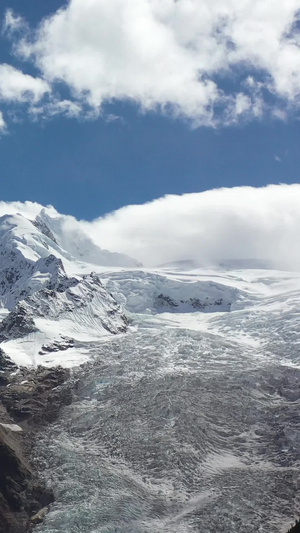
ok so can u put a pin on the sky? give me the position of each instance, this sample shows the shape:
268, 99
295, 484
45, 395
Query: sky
165, 126
108, 103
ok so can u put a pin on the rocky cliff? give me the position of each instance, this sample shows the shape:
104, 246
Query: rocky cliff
29, 399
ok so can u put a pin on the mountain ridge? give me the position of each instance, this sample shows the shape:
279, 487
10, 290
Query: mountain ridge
35, 287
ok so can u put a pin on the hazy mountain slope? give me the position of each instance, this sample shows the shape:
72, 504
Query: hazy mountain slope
79, 245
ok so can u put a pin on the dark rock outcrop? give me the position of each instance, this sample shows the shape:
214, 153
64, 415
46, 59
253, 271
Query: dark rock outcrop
21, 494
295, 528
31, 399
42, 226
17, 324
37, 396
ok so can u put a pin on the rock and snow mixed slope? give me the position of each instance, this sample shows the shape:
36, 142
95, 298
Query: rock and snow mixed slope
46, 307
53, 302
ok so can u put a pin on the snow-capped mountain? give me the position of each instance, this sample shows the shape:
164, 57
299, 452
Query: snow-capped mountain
41, 304
78, 244
187, 396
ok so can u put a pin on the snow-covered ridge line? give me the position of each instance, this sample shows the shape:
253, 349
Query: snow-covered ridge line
78, 245
45, 305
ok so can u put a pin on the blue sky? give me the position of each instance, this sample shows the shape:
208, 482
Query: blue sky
149, 139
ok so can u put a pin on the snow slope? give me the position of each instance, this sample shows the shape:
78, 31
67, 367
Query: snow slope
79, 245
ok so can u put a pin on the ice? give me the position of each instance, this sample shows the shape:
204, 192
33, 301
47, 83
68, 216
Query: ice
175, 430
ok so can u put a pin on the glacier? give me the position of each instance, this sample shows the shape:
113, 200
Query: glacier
186, 406
190, 421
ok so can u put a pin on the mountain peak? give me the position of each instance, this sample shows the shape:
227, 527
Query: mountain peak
43, 302
68, 234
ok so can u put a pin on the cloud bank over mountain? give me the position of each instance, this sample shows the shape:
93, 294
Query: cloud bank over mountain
211, 61
221, 224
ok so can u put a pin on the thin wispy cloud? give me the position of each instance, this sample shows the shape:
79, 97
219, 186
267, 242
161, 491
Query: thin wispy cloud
215, 62
13, 23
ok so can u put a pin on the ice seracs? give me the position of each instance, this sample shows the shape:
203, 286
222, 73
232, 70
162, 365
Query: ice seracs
143, 291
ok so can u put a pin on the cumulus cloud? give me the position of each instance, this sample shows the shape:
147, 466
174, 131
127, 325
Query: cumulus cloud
172, 55
209, 227
19, 87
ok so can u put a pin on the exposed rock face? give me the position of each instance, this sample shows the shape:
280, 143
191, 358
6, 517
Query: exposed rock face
42, 226
6, 366
32, 399
163, 301
37, 396
17, 324
295, 528
21, 495
70, 294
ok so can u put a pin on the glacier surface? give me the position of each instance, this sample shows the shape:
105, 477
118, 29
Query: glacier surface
190, 421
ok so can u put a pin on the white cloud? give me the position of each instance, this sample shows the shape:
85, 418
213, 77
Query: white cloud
237, 223
2, 122
13, 22
19, 87
28, 209
167, 54
216, 225
55, 107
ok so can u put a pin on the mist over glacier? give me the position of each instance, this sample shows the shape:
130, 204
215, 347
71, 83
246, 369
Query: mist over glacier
206, 227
